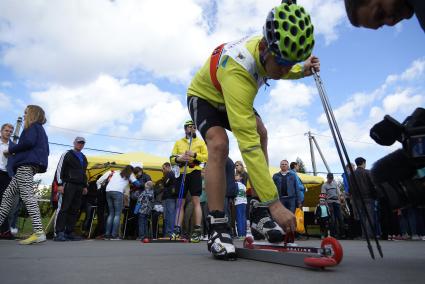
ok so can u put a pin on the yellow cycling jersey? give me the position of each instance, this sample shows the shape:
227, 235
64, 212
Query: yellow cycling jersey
198, 146
240, 75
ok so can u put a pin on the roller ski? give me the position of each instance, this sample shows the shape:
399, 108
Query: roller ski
176, 237
288, 253
220, 243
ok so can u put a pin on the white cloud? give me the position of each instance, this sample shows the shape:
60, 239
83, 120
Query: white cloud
326, 17
289, 97
73, 42
415, 70
108, 103
402, 101
5, 102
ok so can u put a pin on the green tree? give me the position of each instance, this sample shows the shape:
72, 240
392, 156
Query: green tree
301, 165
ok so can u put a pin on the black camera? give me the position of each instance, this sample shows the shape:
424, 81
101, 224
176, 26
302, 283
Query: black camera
396, 175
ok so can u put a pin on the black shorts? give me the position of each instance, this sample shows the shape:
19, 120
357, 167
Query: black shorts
192, 184
205, 115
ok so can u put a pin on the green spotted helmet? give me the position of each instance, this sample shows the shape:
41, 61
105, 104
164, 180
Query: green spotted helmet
188, 122
289, 33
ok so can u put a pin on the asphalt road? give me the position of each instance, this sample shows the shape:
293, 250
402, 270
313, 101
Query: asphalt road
95, 261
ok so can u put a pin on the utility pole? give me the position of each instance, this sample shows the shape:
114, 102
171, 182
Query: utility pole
313, 160
311, 140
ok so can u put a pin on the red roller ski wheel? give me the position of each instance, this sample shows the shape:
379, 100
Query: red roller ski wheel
320, 262
335, 246
146, 240
248, 243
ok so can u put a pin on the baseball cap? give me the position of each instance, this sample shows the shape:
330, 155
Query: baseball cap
137, 165
330, 175
80, 139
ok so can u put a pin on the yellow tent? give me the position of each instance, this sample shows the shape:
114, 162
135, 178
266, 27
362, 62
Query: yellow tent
152, 166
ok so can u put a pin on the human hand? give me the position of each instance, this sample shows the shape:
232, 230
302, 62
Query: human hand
183, 158
85, 190
60, 189
282, 216
311, 62
190, 153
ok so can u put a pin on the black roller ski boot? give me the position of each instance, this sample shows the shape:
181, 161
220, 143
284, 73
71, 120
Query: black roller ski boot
220, 243
262, 224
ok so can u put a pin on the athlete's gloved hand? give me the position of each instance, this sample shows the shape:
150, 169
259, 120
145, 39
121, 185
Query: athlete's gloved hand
282, 216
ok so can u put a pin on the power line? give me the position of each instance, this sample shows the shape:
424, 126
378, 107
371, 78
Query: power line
111, 136
92, 149
350, 140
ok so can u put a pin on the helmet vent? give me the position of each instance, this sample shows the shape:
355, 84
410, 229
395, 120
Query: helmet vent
302, 40
294, 31
293, 47
297, 13
299, 53
268, 25
269, 35
301, 25
285, 26
292, 19
282, 15
308, 32
286, 41
276, 24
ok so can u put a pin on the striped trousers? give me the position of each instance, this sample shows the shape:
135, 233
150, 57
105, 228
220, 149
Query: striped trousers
22, 184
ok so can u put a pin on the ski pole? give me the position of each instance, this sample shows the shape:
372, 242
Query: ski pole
181, 190
339, 143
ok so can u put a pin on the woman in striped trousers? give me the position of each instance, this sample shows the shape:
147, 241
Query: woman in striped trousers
27, 158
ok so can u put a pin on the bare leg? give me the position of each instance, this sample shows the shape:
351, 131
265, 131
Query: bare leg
197, 210
218, 150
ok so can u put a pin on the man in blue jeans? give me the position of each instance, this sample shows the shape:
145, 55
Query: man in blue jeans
288, 187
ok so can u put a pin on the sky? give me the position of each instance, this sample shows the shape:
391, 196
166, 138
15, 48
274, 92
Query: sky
116, 72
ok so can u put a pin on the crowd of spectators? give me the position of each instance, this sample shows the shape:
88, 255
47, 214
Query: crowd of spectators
126, 203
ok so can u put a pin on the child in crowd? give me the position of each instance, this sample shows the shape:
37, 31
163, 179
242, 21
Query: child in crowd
322, 216
240, 204
144, 208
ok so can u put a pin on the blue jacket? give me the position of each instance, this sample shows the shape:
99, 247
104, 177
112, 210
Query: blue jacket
32, 149
300, 185
294, 187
